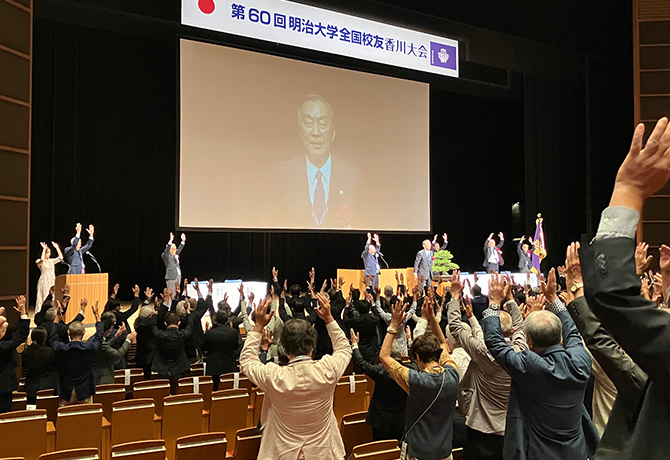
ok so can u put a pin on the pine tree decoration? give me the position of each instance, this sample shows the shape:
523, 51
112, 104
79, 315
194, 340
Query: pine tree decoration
443, 262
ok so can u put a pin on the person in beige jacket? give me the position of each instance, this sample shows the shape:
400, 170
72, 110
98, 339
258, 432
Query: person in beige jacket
297, 417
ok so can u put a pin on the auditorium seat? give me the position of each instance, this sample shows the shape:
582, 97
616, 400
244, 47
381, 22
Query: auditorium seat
355, 431
247, 444
19, 400
140, 450
187, 385
79, 426
457, 454
154, 389
202, 446
135, 375
72, 454
347, 402
182, 416
227, 382
258, 405
229, 413
377, 450
197, 370
108, 395
47, 400
133, 420
23, 434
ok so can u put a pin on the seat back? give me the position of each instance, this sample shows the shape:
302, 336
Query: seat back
386, 448
47, 400
197, 370
182, 416
72, 454
349, 396
457, 454
247, 444
23, 434
234, 381
19, 400
229, 413
203, 385
132, 420
79, 426
154, 389
202, 446
258, 405
141, 450
134, 376
108, 395
355, 431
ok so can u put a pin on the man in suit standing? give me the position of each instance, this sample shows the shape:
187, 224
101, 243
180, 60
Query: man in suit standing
525, 249
423, 264
170, 360
546, 417
8, 381
76, 360
493, 259
316, 189
297, 416
370, 258
75, 252
612, 288
171, 260
222, 346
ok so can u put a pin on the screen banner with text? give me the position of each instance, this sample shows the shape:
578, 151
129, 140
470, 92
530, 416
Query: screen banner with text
274, 143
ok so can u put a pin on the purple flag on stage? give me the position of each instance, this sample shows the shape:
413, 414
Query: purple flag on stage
540, 251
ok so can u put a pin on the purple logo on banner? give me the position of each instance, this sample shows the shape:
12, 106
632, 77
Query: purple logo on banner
442, 55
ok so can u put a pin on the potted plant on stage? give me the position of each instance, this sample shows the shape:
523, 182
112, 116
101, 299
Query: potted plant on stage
443, 262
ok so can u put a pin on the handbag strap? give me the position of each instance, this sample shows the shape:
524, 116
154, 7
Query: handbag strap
427, 408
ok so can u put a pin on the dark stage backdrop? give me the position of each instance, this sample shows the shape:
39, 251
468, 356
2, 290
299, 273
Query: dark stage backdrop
104, 144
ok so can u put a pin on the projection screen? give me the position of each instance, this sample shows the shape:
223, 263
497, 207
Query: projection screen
272, 143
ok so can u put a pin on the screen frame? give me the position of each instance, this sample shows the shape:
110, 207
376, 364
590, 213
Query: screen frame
295, 57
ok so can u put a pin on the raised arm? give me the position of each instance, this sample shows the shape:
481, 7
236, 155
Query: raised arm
182, 244
250, 364
398, 372
341, 356
89, 243
58, 251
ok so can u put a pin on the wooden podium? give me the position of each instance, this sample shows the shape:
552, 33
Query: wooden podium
90, 286
387, 276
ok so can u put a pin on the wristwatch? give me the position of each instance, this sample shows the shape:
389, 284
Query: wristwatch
576, 287
390, 330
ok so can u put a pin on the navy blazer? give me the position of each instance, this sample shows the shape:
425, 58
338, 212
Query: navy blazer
525, 260
75, 362
545, 415
7, 346
370, 261
76, 258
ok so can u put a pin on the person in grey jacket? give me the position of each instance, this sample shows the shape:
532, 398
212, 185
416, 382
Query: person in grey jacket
170, 258
110, 352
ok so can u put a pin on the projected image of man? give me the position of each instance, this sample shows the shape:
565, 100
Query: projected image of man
318, 187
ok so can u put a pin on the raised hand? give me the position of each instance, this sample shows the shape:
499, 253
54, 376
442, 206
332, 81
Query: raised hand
378, 290
171, 238
468, 307
44, 245
427, 312
312, 275
83, 303
183, 237
402, 278
641, 259
120, 331
225, 297
573, 273
196, 285
210, 286
644, 287
376, 238
497, 289
252, 296
490, 236
136, 291
241, 290
398, 315
275, 274
132, 337
355, 338
645, 170
324, 285
566, 297
549, 288
445, 237
90, 230
20, 305
369, 237
96, 311
285, 285
115, 290
397, 279
266, 339
149, 294
456, 287
475, 278
77, 228
167, 296
664, 261
263, 317
500, 234
323, 309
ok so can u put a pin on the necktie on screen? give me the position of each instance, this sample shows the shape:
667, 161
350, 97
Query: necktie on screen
319, 206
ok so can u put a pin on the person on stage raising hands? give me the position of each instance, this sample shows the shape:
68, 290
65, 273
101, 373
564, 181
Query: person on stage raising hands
436, 245
75, 252
171, 260
370, 257
48, 274
493, 252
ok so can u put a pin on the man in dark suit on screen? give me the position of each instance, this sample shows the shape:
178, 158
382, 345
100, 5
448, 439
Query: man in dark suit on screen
316, 189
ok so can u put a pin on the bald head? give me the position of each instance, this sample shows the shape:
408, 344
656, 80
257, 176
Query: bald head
506, 324
543, 329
